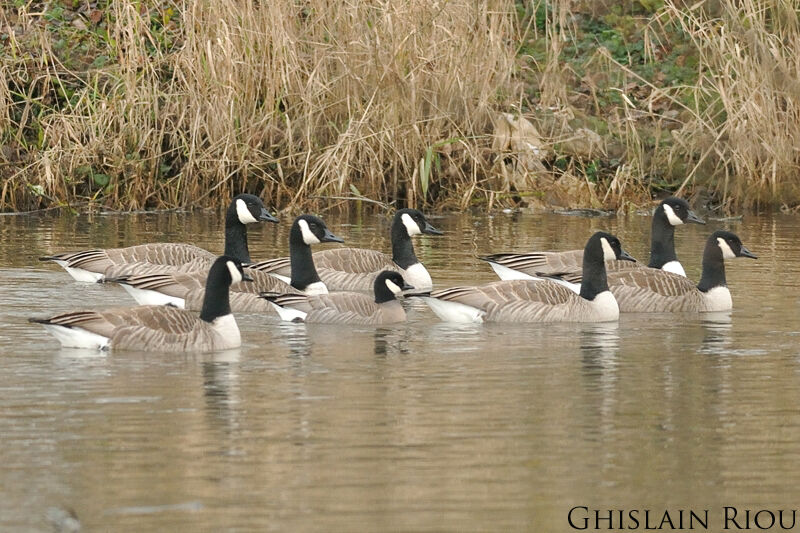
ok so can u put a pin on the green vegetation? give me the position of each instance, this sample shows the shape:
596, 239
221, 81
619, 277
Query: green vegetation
143, 104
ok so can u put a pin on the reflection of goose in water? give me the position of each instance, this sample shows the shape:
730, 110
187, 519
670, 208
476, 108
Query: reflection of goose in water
599, 345
717, 339
221, 390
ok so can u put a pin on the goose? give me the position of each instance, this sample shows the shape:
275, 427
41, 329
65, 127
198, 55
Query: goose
355, 269
93, 265
538, 301
670, 212
186, 289
346, 307
648, 290
158, 328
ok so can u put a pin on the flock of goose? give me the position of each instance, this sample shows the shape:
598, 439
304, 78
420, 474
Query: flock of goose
172, 281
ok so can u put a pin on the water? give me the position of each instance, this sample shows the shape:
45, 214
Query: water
420, 426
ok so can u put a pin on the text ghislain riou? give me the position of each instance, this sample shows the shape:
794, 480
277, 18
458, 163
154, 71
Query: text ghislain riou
728, 518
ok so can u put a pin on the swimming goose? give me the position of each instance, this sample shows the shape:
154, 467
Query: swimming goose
538, 301
92, 265
158, 328
670, 212
355, 269
649, 290
346, 307
186, 289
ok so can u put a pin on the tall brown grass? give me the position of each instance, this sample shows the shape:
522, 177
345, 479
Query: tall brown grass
392, 101
293, 99
745, 135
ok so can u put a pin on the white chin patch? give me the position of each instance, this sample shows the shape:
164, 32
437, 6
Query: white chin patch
608, 251
673, 219
244, 214
727, 253
412, 228
236, 276
393, 287
308, 236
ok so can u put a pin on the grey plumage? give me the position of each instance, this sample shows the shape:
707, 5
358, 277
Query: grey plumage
158, 328
347, 307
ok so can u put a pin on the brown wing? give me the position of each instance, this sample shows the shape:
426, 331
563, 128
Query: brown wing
540, 263
347, 260
200, 338
168, 319
521, 301
649, 290
141, 268
159, 253
614, 265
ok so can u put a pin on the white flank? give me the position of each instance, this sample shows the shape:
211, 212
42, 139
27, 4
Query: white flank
236, 276
608, 251
76, 337
150, 297
673, 219
675, 267
412, 228
308, 236
79, 274
719, 299
418, 277
227, 328
454, 311
727, 253
506, 274
316, 288
244, 214
286, 279
605, 307
393, 287
288, 314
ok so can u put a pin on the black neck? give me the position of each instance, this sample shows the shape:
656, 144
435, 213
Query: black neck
713, 267
216, 302
662, 240
302, 262
236, 237
594, 277
402, 249
382, 293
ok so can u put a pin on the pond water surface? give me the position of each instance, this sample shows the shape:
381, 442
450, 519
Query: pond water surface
420, 426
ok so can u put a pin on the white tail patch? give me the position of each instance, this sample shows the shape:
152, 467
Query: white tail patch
675, 267
608, 252
412, 228
727, 253
308, 235
79, 274
288, 314
393, 286
76, 337
286, 279
454, 311
150, 297
673, 219
244, 214
505, 273
236, 276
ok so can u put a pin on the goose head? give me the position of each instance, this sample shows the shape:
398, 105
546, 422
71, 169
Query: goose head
603, 246
388, 285
677, 211
415, 222
248, 209
312, 230
730, 245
